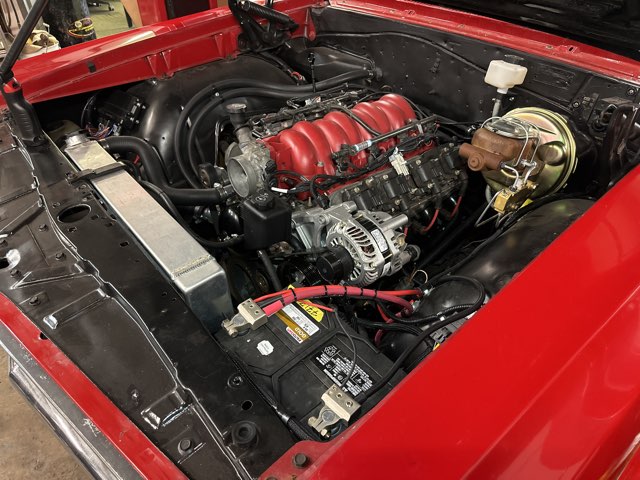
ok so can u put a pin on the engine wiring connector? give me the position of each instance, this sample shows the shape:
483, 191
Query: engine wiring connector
338, 405
249, 317
399, 163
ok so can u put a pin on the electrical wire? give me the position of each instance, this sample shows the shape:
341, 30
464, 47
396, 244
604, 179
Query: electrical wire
456, 208
409, 144
424, 230
424, 335
512, 219
279, 300
405, 293
391, 327
271, 271
354, 359
412, 320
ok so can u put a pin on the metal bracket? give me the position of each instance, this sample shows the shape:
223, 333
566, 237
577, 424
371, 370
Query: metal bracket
338, 405
92, 173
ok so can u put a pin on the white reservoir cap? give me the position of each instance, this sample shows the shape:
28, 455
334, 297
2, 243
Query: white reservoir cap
504, 75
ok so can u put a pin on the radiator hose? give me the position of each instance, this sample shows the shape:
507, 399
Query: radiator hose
152, 164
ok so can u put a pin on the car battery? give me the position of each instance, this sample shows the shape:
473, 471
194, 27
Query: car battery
302, 351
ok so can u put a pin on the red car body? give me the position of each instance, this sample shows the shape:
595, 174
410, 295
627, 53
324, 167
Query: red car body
543, 383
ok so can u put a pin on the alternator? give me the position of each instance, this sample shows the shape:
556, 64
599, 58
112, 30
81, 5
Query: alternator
374, 240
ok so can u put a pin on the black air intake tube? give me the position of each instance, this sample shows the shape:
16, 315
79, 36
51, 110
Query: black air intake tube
152, 164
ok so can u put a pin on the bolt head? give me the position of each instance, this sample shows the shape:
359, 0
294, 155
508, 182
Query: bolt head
185, 444
60, 255
35, 300
14, 272
631, 92
42, 227
299, 460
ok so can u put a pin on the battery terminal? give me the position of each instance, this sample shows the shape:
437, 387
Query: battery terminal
338, 405
249, 317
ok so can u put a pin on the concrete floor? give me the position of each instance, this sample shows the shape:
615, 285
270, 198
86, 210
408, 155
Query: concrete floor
28, 447
106, 22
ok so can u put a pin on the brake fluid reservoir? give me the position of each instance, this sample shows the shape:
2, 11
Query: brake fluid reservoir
504, 75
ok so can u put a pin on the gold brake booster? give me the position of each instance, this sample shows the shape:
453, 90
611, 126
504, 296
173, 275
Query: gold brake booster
526, 154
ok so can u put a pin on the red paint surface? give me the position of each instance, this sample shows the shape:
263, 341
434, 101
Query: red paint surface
145, 457
212, 35
306, 148
541, 383
148, 52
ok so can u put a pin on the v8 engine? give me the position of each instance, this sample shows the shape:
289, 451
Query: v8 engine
372, 166
359, 216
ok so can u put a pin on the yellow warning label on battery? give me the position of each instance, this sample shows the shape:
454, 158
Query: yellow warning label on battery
314, 312
299, 326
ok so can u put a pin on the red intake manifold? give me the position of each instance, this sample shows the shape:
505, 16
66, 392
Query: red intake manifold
306, 147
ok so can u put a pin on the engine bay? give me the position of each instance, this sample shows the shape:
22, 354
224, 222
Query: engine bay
334, 210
